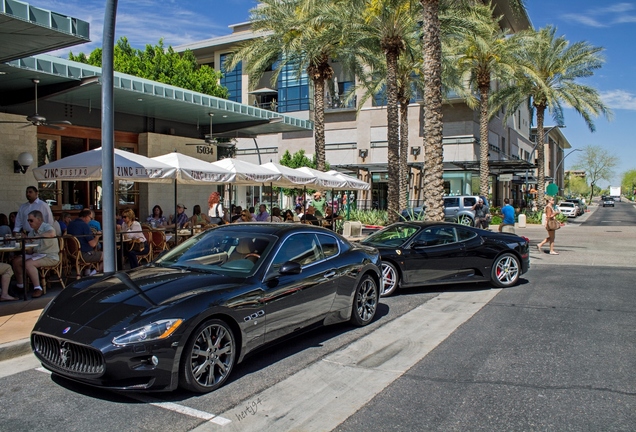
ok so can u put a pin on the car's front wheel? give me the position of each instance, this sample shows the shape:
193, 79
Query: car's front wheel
208, 357
506, 270
390, 279
365, 301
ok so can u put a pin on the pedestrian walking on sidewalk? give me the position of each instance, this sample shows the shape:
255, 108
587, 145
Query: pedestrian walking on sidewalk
550, 226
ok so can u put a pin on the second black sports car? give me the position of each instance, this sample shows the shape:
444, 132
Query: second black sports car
189, 317
423, 253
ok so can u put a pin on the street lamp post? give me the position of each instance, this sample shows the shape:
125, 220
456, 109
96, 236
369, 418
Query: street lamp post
546, 134
556, 171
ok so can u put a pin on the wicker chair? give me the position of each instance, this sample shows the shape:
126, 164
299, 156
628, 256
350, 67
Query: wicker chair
147, 257
58, 268
158, 243
74, 256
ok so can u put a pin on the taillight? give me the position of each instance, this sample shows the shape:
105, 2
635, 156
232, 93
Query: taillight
526, 238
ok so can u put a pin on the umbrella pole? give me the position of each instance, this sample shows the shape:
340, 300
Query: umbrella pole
176, 219
230, 185
348, 205
271, 201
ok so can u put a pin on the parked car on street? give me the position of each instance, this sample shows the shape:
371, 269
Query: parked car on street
579, 203
190, 316
607, 201
429, 253
568, 209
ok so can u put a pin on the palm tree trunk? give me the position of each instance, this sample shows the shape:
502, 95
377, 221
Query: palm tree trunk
540, 158
319, 121
404, 154
484, 170
433, 131
393, 136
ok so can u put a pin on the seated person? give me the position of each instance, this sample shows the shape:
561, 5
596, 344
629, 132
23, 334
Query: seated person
65, 219
310, 216
181, 220
199, 218
46, 254
88, 242
246, 216
133, 231
329, 221
6, 272
94, 224
5, 229
236, 214
157, 218
276, 216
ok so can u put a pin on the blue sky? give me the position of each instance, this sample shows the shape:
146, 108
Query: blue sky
609, 24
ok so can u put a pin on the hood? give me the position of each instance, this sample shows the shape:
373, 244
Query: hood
111, 302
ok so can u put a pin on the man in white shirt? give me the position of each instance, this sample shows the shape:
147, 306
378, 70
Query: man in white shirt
33, 203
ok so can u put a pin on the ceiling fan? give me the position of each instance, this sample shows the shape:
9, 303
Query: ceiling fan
209, 140
39, 120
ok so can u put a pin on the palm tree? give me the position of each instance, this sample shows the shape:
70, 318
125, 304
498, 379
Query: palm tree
298, 34
387, 26
547, 78
484, 54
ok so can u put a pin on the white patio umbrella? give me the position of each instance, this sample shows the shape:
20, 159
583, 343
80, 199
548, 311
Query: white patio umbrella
325, 180
352, 182
87, 166
191, 170
290, 177
248, 173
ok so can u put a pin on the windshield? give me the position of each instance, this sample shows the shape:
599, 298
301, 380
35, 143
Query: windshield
226, 252
392, 236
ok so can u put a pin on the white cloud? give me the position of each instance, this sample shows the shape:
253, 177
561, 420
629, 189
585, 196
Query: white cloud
584, 19
617, 13
619, 99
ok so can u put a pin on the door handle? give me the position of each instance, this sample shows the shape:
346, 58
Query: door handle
330, 274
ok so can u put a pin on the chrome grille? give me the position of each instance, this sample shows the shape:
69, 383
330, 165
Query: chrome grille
68, 356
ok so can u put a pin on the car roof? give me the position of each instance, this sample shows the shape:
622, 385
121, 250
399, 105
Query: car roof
277, 228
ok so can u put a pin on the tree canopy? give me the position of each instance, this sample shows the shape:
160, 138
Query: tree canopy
598, 164
160, 64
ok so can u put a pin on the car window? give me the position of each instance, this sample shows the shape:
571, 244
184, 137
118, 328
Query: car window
436, 236
329, 245
464, 234
469, 201
451, 202
303, 249
391, 236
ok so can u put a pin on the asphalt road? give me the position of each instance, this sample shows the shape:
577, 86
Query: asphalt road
558, 352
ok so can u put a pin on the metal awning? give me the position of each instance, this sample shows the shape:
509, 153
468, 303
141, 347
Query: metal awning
26, 30
61, 81
263, 91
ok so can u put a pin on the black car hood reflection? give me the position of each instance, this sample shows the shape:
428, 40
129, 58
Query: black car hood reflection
111, 303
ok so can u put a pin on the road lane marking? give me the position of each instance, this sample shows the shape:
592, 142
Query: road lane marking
170, 406
323, 395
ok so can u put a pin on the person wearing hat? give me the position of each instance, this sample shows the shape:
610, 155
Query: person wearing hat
319, 203
181, 219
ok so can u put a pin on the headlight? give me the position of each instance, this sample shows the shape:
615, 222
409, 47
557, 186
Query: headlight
153, 331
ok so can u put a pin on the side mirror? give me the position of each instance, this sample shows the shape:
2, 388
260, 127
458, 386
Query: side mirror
290, 268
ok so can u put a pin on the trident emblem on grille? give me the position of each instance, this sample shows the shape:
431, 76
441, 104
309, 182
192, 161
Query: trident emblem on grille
65, 354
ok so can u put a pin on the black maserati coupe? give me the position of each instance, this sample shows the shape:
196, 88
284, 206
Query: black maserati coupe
428, 253
190, 316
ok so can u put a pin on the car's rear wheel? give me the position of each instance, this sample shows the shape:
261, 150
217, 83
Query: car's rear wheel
390, 279
465, 220
208, 357
365, 301
506, 270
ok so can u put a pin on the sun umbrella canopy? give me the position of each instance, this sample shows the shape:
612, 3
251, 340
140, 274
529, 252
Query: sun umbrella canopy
248, 173
325, 180
87, 166
191, 170
289, 176
352, 182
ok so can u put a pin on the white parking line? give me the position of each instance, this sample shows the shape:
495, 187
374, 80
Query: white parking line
170, 406
323, 395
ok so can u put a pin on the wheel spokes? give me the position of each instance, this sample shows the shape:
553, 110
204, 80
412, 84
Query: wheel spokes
212, 355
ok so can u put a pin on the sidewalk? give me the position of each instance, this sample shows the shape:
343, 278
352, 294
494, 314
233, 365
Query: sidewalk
17, 318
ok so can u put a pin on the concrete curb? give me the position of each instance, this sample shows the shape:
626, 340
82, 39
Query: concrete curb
14, 349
